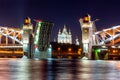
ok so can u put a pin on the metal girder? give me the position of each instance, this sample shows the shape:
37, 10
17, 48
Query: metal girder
7, 32
110, 36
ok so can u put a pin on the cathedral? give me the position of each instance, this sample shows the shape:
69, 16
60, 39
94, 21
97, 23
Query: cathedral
64, 36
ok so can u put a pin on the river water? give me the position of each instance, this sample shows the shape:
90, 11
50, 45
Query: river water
59, 69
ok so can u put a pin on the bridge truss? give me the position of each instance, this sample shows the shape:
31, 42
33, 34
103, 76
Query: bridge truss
10, 36
110, 36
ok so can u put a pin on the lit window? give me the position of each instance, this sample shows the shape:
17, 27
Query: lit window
85, 30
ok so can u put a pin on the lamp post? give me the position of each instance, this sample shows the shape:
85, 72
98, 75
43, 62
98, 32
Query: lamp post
59, 51
69, 52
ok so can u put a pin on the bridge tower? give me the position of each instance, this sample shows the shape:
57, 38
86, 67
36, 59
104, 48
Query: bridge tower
88, 28
42, 39
27, 37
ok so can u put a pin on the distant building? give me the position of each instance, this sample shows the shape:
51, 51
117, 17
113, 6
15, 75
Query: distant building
76, 41
64, 36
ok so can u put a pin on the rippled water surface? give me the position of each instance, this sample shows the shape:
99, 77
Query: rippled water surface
59, 69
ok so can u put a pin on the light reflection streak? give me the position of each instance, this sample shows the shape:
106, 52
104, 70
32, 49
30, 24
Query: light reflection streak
4, 70
20, 70
59, 69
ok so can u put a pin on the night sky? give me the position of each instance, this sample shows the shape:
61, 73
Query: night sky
60, 12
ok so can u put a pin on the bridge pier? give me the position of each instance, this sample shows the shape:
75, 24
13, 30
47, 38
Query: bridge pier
43, 54
28, 38
88, 28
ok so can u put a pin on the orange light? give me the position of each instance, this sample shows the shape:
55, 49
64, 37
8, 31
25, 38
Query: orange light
79, 52
86, 19
79, 49
113, 51
85, 30
69, 49
59, 49
27, 21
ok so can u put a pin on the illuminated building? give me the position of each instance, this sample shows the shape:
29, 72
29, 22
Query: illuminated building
42, 39
65, 50
64, 36
76, 41
27, 36
88, 28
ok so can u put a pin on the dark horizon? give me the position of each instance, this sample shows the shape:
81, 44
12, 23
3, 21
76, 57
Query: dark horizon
60, 12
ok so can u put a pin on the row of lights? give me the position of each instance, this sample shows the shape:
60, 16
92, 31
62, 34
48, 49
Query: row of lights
69, 50
111, 46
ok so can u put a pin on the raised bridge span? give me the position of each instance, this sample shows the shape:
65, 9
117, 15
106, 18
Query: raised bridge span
15, 42
106, 38
36, 44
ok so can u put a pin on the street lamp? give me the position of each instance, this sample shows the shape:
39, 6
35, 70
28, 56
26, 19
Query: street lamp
79, 51
59, 51
69, 50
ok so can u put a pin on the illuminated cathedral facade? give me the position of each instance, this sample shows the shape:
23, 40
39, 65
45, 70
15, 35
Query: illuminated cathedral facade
64, 36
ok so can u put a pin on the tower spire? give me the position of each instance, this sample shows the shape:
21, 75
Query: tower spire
59, 32
69, 31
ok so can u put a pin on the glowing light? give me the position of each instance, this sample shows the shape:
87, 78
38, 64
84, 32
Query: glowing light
85, 30
118, 46
96, 56
103, 46
39, 24
98, 50
27, 20
58, 48
114, 51
106, 56
49, 49
113, 46
69, 49
86, 18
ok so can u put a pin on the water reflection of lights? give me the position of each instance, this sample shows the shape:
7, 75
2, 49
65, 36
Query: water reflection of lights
50, 69
21, 69
64, 76
4, 70
84, 76
117, 65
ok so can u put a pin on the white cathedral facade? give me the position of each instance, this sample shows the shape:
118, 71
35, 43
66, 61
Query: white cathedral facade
64, 36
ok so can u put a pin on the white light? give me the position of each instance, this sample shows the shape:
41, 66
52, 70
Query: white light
103, 46
113, 46
11, 46
86, 41
118, 46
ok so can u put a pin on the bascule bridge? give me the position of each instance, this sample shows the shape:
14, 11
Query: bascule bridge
104, 43
42, 45
15, 42
88, 29
28, 37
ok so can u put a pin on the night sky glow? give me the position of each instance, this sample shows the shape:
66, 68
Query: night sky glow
60, 12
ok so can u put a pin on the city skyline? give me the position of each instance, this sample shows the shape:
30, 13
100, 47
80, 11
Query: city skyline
67, 12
